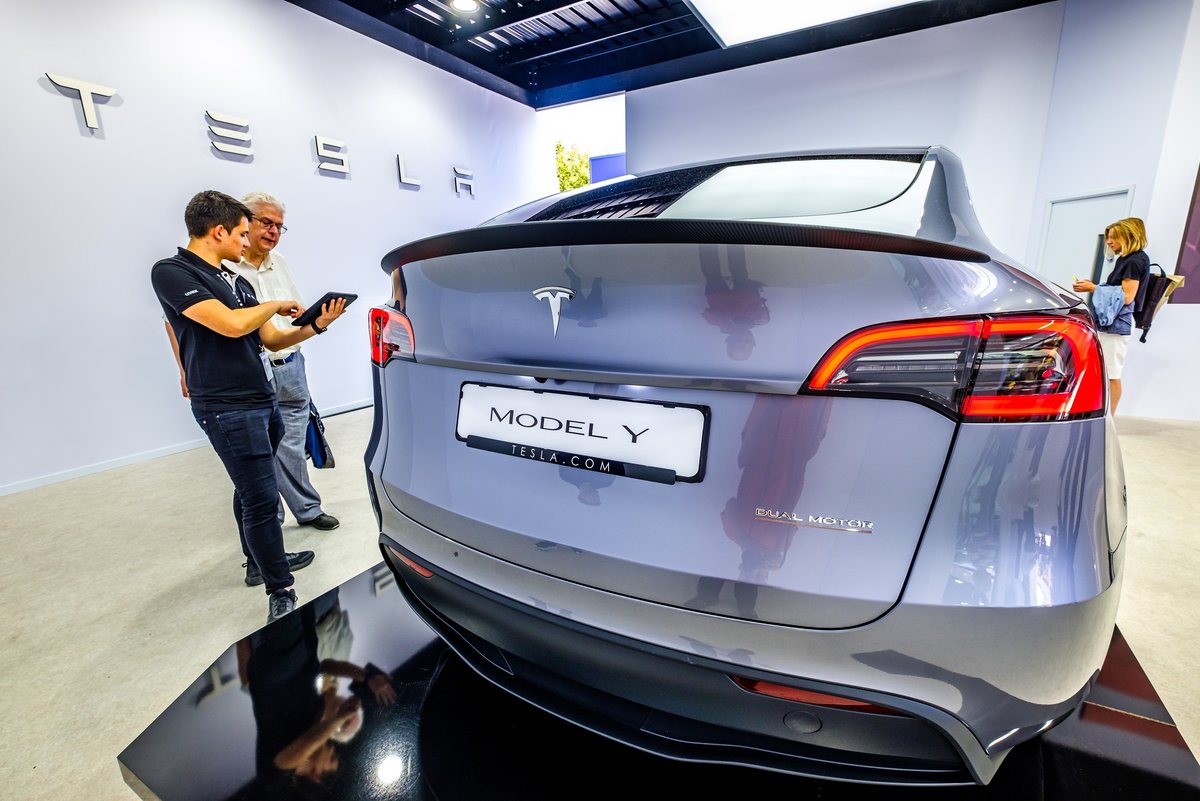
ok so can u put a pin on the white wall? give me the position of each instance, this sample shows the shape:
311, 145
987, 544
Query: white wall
1112, 96
88, 380
1056, 100
1162, 375
981, 88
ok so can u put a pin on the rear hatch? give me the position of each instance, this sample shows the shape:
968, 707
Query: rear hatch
628, 416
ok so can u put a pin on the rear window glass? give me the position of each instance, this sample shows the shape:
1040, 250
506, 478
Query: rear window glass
762, 189
799, 188
646, 196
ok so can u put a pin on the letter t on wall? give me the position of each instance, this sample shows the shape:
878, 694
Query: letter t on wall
86, 91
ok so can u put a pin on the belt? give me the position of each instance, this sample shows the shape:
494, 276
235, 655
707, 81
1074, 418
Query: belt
282, 362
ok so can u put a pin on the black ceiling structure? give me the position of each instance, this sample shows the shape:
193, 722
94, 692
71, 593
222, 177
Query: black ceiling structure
548, 52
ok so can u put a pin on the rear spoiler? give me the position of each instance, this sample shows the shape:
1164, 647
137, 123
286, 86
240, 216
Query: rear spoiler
562, 233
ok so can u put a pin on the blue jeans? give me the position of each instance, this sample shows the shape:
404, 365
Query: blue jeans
291, 465
245, 440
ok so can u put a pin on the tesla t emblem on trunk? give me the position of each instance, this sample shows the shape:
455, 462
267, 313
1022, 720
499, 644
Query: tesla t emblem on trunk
554, 295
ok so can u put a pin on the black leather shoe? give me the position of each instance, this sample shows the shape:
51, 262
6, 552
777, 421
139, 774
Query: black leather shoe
296, 561
322, 521
279, 604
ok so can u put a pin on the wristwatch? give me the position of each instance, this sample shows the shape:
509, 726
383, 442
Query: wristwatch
317, 328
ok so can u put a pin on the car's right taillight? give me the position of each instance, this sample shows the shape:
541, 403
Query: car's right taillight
1003, 369
1037, 368
391, 335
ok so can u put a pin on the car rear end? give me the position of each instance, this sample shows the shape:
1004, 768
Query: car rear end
807, 491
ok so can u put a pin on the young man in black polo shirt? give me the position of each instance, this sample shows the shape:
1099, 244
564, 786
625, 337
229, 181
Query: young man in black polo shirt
222, 330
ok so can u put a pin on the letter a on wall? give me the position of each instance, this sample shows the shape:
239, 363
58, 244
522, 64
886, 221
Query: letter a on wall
464, 179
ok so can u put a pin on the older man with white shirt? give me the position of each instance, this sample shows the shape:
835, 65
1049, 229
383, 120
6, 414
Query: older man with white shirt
267, 272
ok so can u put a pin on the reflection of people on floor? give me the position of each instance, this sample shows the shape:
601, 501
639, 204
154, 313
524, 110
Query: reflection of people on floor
735, 304
312, 755
589, 483
585, 309
302, 720
335, 638
782, 433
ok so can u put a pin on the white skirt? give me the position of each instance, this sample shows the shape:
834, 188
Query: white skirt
1114, 347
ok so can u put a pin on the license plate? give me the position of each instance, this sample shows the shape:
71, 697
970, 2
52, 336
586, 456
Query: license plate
647, 440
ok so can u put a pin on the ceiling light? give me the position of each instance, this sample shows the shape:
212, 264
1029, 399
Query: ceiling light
748, 20
465, 6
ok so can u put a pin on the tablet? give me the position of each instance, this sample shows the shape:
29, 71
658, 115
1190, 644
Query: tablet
314, 311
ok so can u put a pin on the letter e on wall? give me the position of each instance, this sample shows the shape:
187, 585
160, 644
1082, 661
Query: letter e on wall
225, 126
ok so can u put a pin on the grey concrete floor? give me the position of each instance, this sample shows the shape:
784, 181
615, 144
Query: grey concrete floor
120, 588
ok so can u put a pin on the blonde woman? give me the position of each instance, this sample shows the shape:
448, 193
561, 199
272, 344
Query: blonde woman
1127, 239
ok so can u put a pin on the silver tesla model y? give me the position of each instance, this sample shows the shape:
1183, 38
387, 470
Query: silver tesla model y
772, 461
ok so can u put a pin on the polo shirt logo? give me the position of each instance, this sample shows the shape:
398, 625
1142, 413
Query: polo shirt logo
190, 292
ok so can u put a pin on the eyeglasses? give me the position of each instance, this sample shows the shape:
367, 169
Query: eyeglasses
269, 224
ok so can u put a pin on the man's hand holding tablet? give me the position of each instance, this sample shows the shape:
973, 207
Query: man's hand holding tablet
331, 305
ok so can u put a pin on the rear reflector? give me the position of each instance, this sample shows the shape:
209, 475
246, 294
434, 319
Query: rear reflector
810, 697
423, 572
1005, 369
391, 335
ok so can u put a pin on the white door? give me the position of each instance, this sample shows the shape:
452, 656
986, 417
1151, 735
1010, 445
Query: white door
1074, 241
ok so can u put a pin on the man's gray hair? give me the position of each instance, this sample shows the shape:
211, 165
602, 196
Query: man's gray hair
256, 200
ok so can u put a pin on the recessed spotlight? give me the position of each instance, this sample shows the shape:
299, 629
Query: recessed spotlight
465, 6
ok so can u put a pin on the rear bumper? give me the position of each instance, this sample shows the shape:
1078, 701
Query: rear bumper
669, 703
981, 679
975, 681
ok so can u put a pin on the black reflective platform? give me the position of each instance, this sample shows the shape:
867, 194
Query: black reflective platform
351, 697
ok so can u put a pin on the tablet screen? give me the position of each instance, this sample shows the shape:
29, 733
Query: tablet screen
314, 311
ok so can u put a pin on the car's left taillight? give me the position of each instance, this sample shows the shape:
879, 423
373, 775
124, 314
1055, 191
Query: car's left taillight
391, 335
1002, 369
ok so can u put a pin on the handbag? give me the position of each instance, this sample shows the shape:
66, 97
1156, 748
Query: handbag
316, 447
1158, 292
